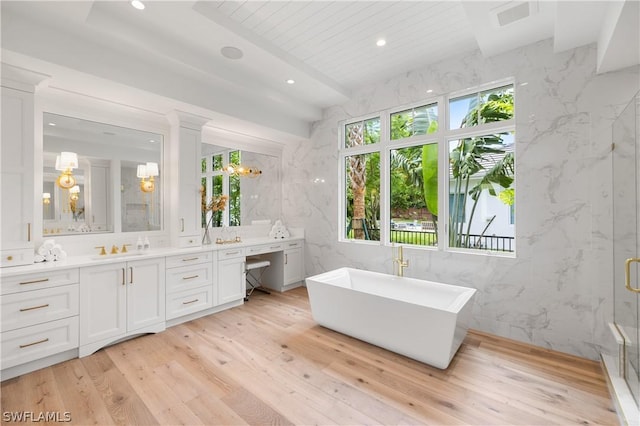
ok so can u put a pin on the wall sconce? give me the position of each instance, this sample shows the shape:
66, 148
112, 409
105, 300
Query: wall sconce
147, 173
46, 198
74, 193
242, 171
66, 162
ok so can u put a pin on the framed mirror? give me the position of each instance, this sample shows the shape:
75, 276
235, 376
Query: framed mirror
91, 179
250, 180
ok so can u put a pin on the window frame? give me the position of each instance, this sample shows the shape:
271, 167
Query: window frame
442, 138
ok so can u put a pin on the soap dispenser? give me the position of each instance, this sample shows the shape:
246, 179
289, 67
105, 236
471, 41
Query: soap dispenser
139, 243
146, 243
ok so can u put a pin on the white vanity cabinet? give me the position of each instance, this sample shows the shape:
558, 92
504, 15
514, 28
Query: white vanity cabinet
190, 283
39, 316
119, 300
231, 285
17, 177
293, 263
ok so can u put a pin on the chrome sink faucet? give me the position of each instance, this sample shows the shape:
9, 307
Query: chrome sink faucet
398, 261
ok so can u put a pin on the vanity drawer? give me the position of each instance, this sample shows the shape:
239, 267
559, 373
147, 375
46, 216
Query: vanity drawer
38, 341
293, 244
39, 280
187, 277
230, 253
185, 242
189, 259
264, 248
187, 302
16, 257
38, 306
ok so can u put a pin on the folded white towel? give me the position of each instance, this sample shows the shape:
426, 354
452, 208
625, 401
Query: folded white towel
62, 255
38, 258
56, 249
48, 244
49, 258
43, 251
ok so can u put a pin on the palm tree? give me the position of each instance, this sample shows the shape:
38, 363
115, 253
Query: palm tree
357, 180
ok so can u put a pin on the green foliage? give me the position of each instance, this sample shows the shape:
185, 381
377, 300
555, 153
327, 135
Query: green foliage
467, 160
508, 196
234, 191
430, 177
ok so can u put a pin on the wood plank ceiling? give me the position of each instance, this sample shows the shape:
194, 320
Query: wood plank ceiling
338, 39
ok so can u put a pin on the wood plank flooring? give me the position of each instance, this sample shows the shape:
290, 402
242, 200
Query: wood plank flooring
267, 362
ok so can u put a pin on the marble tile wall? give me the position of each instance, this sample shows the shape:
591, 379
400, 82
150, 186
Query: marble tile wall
557, 292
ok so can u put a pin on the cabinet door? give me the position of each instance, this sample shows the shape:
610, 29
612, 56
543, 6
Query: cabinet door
17, 169
145, 293
231, 280
189, 205
103, 292
293, 266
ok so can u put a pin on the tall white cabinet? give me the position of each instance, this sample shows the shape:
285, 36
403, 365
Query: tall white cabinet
17, 177
185, 150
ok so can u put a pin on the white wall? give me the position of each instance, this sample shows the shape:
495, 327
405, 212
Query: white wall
557, 291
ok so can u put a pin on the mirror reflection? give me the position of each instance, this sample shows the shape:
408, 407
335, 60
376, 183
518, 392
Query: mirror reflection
92, 182
249, 180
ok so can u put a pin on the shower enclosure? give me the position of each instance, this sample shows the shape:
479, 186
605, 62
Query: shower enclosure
626, 243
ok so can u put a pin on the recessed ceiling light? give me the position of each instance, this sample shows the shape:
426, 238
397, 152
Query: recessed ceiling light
152, 140
290, 81
231, 52
430, 91
137, 4
381, 42
52, 124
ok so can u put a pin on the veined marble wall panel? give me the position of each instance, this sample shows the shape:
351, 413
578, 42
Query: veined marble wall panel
557, 292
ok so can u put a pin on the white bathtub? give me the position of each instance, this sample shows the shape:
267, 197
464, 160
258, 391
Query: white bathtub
423, 320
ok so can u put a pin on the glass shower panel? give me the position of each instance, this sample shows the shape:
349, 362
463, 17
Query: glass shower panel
626, 248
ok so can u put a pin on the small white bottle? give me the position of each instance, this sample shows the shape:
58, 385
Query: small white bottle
146, 243
139, 244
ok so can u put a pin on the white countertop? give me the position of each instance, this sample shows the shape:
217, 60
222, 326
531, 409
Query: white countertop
95, 259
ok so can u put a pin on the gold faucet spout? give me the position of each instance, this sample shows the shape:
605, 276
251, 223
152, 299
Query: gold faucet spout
114, 249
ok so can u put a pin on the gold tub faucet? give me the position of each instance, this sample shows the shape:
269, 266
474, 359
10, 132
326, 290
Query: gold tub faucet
398, 261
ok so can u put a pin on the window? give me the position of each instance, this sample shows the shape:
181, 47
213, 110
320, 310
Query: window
392, 187
413, 195
215, 182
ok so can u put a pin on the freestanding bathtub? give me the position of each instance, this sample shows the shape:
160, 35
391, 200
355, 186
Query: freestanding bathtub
423, 320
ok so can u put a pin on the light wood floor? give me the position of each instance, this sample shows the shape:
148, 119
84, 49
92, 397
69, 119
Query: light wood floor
267, 362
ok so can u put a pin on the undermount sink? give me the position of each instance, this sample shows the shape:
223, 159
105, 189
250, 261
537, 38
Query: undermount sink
115, 256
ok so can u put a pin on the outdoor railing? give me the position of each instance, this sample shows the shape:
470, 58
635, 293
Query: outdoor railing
429, 238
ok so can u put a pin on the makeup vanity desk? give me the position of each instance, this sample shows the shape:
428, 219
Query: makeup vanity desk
55, 311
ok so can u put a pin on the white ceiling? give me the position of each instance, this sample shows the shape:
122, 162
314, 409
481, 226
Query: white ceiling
171, 49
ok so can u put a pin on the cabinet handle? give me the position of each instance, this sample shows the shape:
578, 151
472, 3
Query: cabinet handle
34, 343
182, 224
33, 307
293, 244
123, 274
190, 301
274, 247
191, 277
35, 281
286, 258
131, 276
232, 253
190, 259
28, 231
